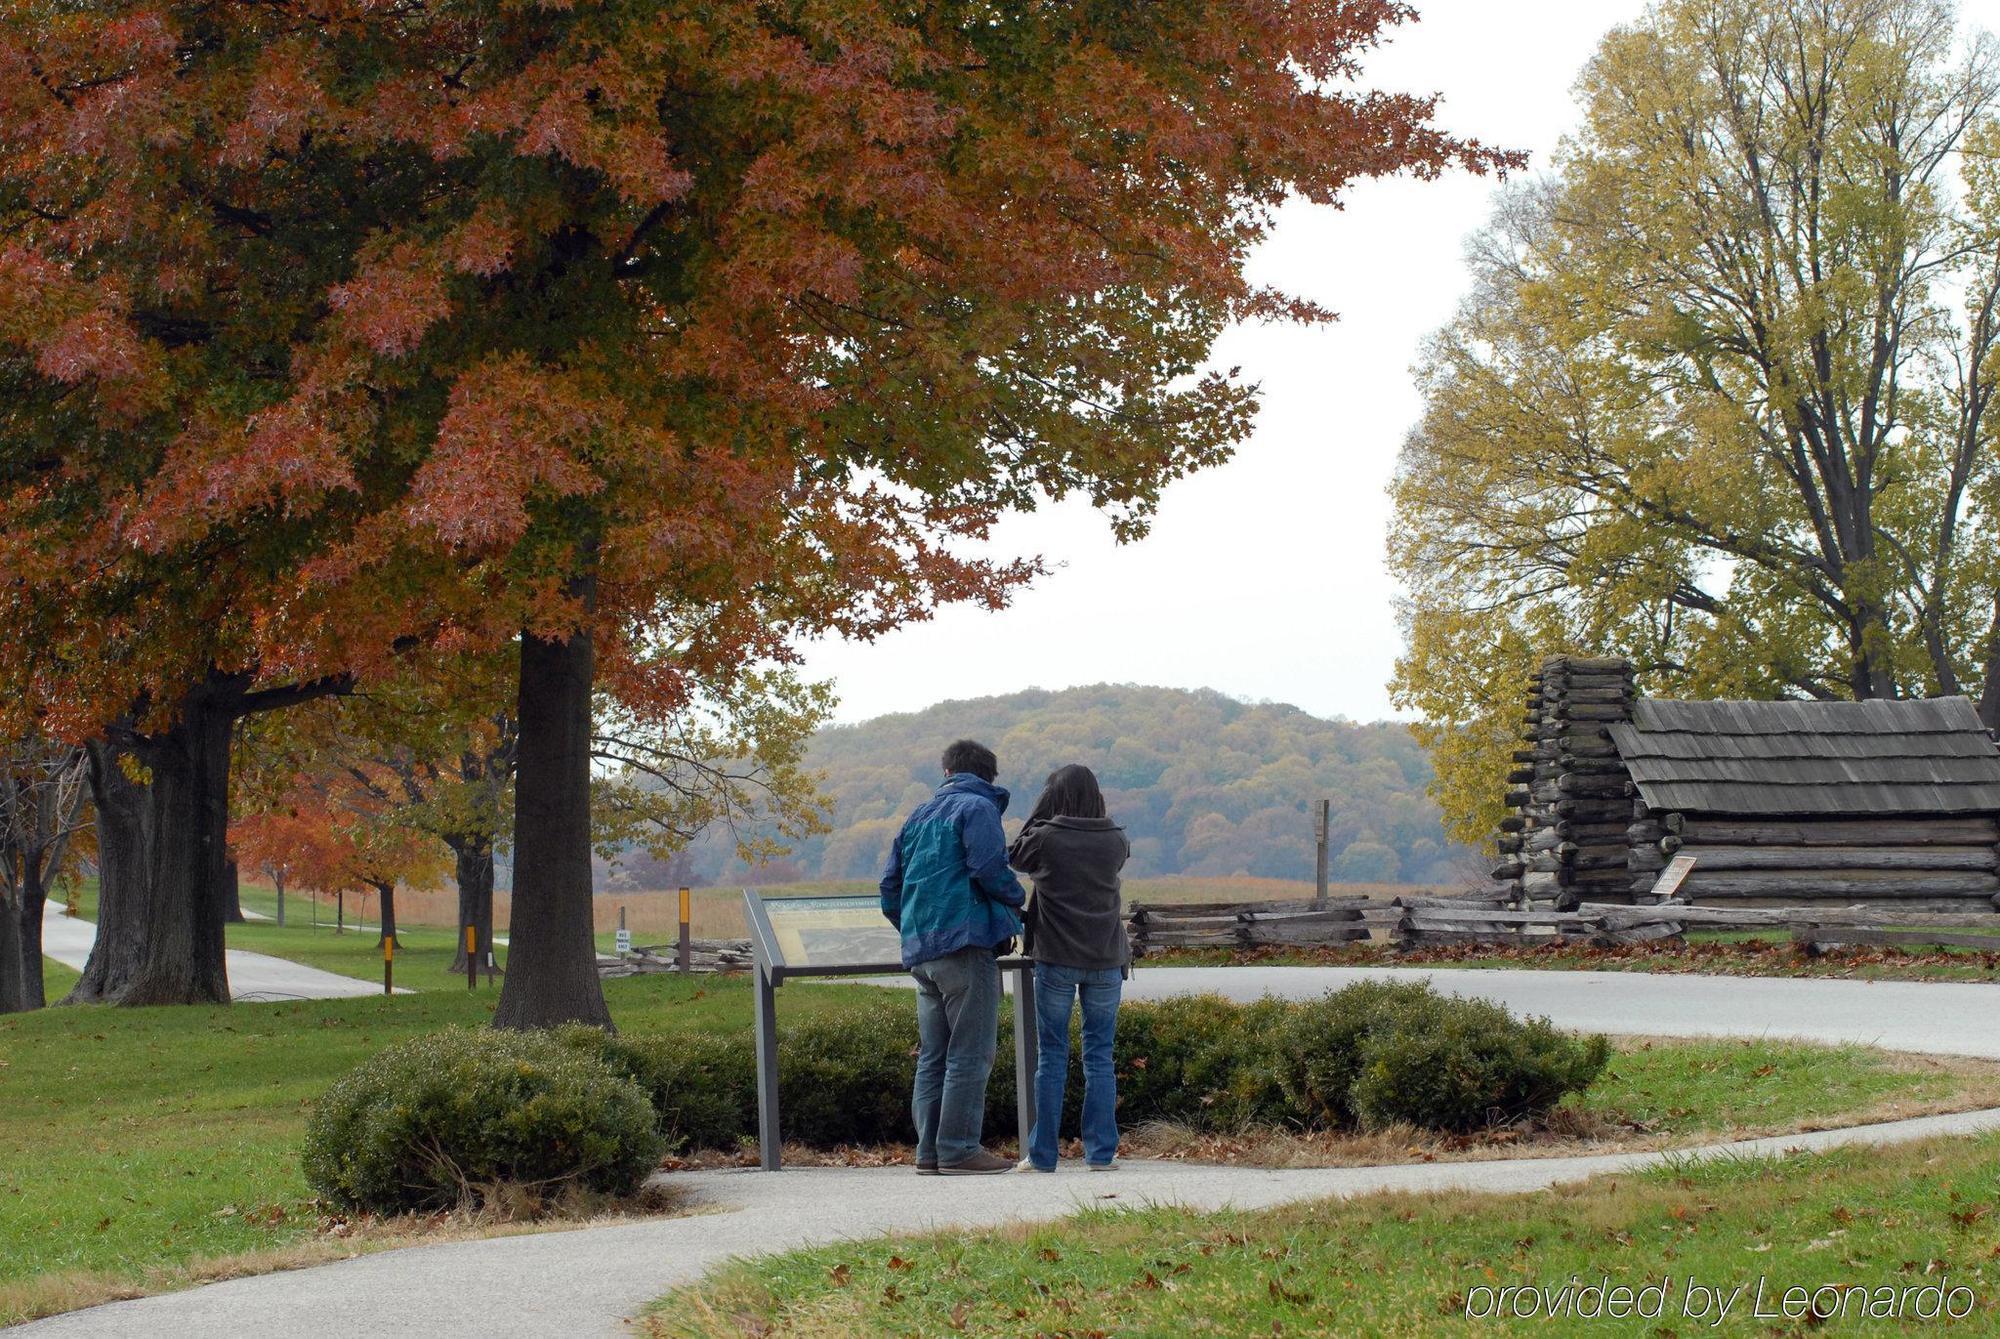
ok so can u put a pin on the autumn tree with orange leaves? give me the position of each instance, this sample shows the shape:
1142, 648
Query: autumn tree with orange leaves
653, 337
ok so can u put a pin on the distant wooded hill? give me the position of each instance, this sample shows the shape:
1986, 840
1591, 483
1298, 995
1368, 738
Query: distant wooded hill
1204, 785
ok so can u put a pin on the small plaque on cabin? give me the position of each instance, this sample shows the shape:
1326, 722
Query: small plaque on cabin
1671, 877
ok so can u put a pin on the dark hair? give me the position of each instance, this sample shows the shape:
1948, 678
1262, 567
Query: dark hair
1071, 792
967, 756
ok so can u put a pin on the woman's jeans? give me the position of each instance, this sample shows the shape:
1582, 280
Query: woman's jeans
1056, 989
958, 1017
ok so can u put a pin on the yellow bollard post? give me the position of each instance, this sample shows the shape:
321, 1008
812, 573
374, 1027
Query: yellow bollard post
684, 954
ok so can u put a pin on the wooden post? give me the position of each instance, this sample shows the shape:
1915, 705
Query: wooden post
684, 952
388, 964
281, 906
1321, 823
472, 957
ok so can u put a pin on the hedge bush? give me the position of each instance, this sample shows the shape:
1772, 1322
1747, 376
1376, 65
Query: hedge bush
1317, 1050
1463, 1065
1372, 1054
429, 1122
1200, 1061
698, 1084
444, 1119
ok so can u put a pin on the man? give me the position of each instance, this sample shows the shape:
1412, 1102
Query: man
950, 894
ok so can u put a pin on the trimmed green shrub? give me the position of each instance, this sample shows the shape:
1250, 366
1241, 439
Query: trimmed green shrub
430, 1122
701, 1086
1200, 1061
1318, 1053
444, 1119
704, 1088
1462, 1065
844, 1076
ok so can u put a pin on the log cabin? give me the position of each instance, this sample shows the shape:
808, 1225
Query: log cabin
1892, 803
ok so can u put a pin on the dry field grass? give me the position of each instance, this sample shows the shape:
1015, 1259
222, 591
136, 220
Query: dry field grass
717, 913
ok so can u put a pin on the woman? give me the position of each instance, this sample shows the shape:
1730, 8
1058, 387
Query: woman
1076, 935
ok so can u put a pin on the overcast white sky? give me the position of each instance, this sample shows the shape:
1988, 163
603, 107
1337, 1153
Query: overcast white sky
1265, 578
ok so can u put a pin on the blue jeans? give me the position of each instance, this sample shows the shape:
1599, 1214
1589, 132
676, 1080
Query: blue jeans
1056, 989
958, 1025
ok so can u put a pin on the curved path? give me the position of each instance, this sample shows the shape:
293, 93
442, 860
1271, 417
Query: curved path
589, 1281
253, 977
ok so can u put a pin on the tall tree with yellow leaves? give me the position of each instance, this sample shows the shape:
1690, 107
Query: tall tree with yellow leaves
1720, 398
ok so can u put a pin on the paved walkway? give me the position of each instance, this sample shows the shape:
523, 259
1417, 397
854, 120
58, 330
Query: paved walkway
589, 1281
253, 977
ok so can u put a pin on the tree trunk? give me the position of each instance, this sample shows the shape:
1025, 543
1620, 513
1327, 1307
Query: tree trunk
123, 817
552, 956
232, 892
1989, 693
475, 895
181, 961
13, 998
386, 893
34, 896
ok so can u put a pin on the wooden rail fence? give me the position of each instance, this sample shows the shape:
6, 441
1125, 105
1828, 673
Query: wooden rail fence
1305, 924
704, 955
1415, 922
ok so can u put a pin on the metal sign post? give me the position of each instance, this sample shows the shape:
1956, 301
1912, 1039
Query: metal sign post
847, 936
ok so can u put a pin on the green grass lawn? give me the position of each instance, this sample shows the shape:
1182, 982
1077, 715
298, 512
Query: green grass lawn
423, 962
152, 1140
1687, 1087
137, 1141
1410, 1264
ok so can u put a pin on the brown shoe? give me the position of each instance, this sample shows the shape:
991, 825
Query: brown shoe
981, 1163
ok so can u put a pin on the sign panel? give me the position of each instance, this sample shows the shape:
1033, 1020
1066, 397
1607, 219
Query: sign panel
818, 934
622, 941
1672, 876
845, 936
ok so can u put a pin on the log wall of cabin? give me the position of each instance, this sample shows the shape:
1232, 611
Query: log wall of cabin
1566, 838
1913, 861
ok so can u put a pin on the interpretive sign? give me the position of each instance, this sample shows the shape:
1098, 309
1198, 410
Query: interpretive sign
1672, 877
846, 936
832, 934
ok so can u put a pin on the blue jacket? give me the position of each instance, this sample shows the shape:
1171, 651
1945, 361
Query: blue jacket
947, 884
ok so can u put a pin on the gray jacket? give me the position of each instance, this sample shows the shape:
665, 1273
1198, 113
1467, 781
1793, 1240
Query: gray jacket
1075, 918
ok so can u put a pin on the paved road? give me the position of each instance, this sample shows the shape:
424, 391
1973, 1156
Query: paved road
253, 977
587, 1282
1941, 1018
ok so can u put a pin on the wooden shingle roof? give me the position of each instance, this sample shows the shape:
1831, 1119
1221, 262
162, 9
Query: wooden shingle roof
1823, 758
